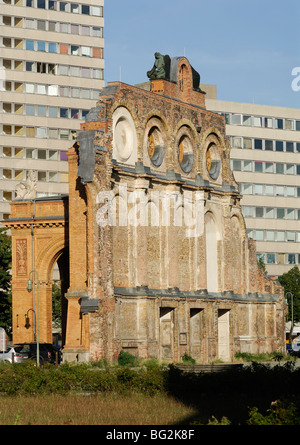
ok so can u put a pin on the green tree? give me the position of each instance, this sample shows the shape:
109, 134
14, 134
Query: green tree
5, 281
291, 284
56, 305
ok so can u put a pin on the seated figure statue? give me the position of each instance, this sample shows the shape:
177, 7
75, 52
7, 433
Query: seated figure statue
160, 68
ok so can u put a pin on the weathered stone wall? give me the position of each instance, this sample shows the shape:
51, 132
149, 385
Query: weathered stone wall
162, 293
160, 264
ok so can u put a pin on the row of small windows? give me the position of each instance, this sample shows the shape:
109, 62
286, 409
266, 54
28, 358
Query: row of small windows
274, 235
279, 258
37, 132
52, 68
44, 111
51, 26
269, 190
265, 167
52, 47
42, 176
261, 122
55, 5
265, 144
51, 90
271, 212
33, 153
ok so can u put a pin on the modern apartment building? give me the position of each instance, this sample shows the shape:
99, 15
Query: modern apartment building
51, 71
265, 159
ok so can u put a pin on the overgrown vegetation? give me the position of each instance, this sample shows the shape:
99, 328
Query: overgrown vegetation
254, 394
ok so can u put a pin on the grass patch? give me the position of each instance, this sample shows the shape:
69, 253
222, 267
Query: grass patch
100, 409
147, 395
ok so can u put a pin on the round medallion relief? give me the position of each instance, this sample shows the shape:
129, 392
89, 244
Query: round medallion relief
124, 134
213, 162
155, 146
185, 153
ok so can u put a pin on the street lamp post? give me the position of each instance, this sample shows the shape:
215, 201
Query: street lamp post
29, 288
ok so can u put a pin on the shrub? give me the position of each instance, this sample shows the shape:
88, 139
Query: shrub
126, 359
281, 412
188, 359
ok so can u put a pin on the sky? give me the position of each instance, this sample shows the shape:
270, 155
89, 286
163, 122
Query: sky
250, 49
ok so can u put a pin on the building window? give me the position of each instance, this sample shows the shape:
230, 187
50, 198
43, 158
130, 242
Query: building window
268, 122
237, 165
52, 5
258, 167
42, 176
85, 9
257, 121
247, 120
247, 143
248, 166
30, 110
259, 234
258, 189
268, 145
291, 236
270, 258
269, 167
236, 119
269, 190
259, 212
41, 46
41, 110
270, 235
63, 6
75, 8
52, 47
30, 45
291, 258
64, 112
52, 111
290, 214
290, 169
279, 213
280, 169
269, 212
258, 144
74, 113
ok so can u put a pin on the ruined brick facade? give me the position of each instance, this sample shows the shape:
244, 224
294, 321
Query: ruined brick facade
159, 261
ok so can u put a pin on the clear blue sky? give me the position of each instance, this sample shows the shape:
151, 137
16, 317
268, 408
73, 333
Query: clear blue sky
247, 48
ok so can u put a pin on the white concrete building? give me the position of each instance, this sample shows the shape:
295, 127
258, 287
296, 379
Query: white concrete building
51, 71
265, 159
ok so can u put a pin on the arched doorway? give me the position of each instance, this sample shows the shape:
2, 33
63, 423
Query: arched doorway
39, 241
60, 285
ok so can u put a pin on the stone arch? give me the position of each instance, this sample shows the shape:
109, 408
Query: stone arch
53, 252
